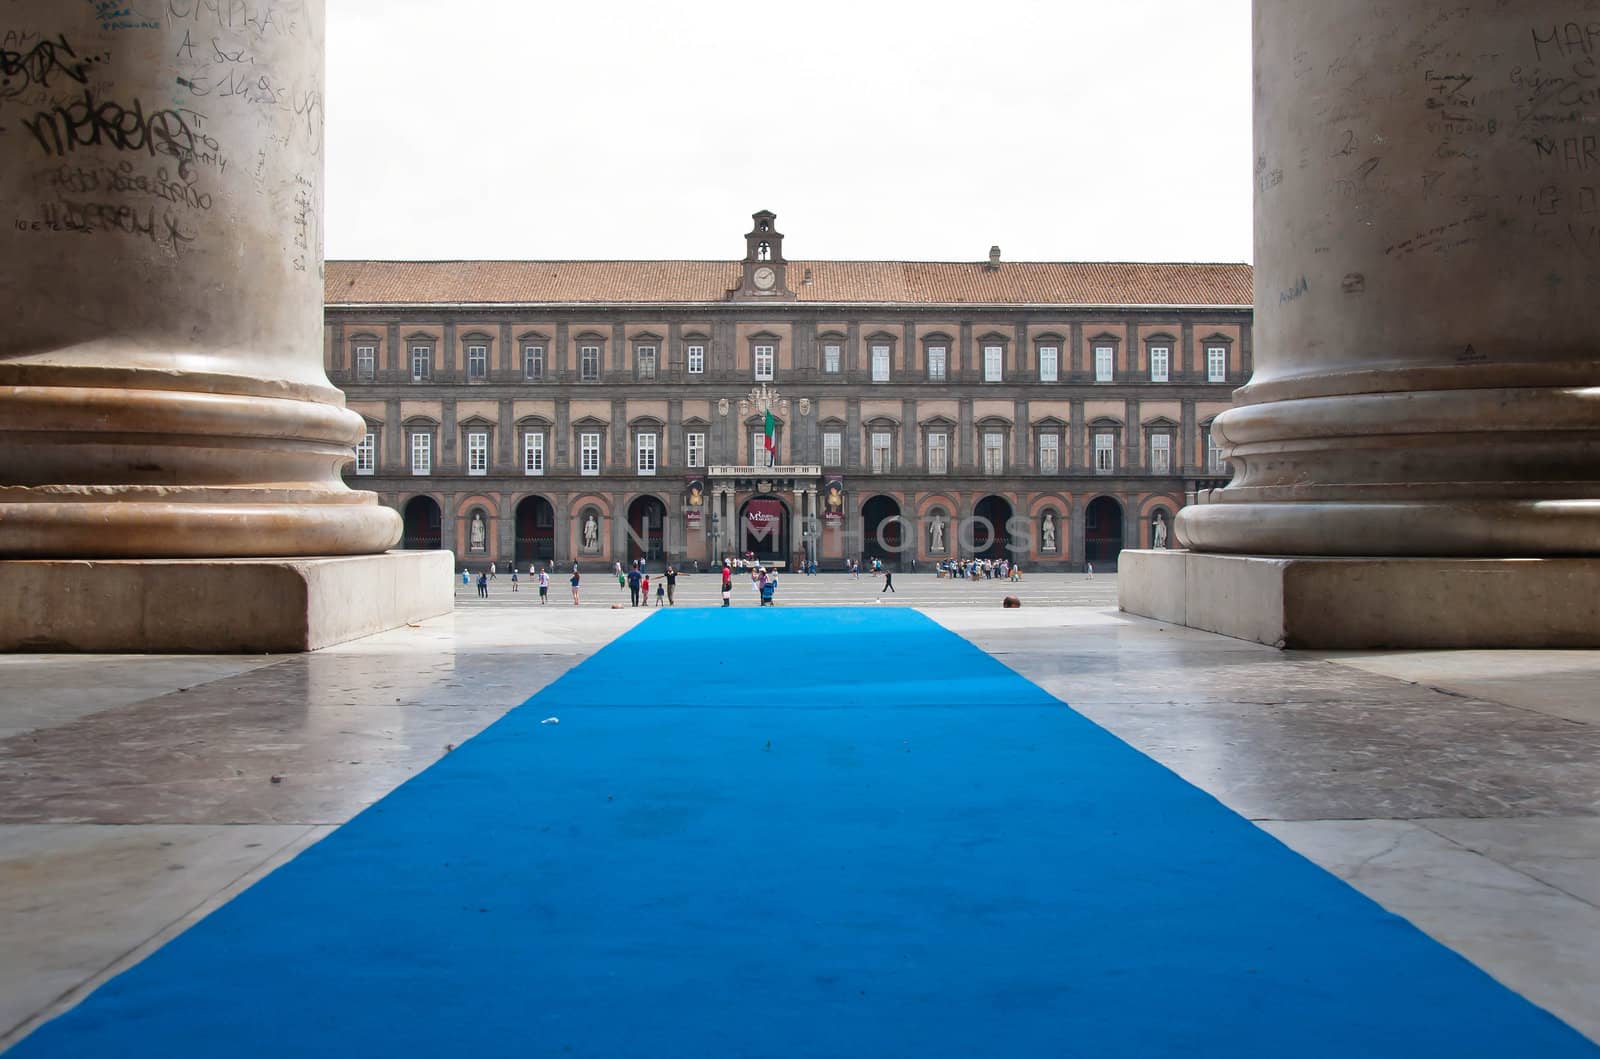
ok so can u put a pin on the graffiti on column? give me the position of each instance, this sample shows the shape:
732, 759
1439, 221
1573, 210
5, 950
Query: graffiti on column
135, 162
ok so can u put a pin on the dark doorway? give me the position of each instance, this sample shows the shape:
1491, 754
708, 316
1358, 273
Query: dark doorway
997, 511
764, 529
647, 528
536, 531
1102, 532
880, 521
422, 524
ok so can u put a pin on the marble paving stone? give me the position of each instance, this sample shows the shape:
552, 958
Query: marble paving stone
39, 691
1560, 683
1563, 852
1541, 942
73, 900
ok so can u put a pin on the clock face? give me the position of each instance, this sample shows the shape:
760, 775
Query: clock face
764, 277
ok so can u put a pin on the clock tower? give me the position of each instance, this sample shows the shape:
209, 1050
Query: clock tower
765, 272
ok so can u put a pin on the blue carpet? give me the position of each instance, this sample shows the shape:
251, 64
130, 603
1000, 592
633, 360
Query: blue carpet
801, 833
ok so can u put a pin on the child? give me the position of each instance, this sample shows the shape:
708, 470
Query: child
544, 586
661, 593
513, 579
644, 588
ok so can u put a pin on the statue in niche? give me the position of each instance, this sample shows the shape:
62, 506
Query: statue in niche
936, 534
1049, 531
1161, 531
591, 534
476, 535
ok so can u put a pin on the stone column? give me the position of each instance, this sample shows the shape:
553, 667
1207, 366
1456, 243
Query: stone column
1427, 255
161, 383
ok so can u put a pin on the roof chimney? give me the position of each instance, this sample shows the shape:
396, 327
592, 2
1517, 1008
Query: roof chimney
994, 258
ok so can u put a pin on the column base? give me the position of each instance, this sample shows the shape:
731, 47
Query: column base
217, 606
1360, 603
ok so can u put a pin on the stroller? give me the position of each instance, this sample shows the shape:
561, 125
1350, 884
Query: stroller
768, 587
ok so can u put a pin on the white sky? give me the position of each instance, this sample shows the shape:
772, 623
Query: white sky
875, 129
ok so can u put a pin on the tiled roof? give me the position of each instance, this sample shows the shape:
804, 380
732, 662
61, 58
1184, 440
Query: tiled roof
852, 282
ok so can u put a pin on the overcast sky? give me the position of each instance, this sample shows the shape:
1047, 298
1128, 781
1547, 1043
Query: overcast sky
875, 129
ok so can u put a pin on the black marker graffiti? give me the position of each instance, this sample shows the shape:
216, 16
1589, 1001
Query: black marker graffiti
88, 123
20, 70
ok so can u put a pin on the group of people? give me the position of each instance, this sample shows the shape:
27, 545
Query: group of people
539, 573
637, 581
762, 580
980, 569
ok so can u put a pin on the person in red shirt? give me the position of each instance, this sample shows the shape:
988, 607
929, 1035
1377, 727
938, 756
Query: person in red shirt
727, 584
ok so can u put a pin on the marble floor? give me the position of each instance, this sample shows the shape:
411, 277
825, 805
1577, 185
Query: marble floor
1459, 789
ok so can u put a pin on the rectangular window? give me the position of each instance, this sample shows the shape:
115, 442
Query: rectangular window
589, 453
882, 452
477, 362
764, 358
1105, 453
589, 363
366, 454
366, 362
421, 363
646, 449
1049, 358
697, 360
938, 453
993, 359
832, 450
1160, 356
1049, 453
533, 363
422, 454
697, 450
533, 452
880, 363
1216, 364
937, 356
758, 450
645, 358
994, 453
831, 359
1215, 464
477, 453
1103, 356
1160, 454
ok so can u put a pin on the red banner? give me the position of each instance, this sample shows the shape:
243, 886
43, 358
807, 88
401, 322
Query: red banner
763, 518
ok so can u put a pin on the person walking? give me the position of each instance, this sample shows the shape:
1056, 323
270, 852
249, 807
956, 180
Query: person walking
514, 579
888, 582
644, 588
672, 584
1088, 568
544, 586
727, 584
633, 584
574, 584
661, 592
483, 585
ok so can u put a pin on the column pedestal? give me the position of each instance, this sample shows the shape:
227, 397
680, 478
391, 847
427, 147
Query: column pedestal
1368, 603
217, 606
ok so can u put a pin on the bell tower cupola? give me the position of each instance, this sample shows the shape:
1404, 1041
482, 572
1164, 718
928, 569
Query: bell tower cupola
765, 272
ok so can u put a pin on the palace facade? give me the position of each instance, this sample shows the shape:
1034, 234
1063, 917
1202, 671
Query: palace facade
1052, 412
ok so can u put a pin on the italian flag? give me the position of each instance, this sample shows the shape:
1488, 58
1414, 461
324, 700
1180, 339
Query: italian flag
770, 429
